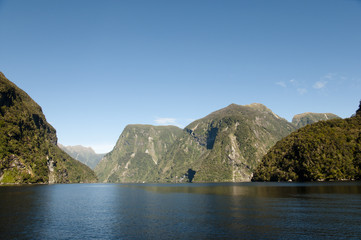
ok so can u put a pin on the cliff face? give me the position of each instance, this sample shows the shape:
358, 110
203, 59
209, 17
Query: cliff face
137, 153
303, 119
28, 151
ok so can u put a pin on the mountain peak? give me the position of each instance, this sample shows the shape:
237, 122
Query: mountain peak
259, 106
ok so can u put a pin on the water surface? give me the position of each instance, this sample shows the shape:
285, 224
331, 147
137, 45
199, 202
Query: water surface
182, 211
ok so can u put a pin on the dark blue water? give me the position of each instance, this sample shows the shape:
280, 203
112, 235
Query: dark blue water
182, 211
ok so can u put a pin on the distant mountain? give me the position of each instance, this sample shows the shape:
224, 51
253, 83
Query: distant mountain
28, 143
303, 119
326, 150
85, 155
137, 153
226, 145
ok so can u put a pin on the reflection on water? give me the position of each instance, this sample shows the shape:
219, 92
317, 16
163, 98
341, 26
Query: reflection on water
254, 189
179, 211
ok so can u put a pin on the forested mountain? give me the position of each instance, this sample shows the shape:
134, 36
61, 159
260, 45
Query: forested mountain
326, 150
28, 143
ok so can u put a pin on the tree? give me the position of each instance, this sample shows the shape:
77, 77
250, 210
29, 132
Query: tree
358, 112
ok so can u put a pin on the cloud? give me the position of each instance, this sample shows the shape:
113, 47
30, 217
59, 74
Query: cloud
282, 84
320, 84
166, 121
294, 82
329, 76
302, 91
181, 123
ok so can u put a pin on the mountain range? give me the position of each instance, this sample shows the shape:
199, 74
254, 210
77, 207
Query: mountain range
28, 143
234, 144
224, 146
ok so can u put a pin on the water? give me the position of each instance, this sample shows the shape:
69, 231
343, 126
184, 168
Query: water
182, 211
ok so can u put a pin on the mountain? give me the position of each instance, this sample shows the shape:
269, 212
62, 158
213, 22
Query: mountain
137, 153
85, 155
28, 143
226, 145
326, 150
303, 119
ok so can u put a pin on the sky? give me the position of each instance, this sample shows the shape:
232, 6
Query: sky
95, 66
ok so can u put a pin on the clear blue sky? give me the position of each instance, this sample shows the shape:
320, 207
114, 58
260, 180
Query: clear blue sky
96, 66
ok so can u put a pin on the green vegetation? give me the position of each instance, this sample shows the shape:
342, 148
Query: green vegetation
326, 150
28, 151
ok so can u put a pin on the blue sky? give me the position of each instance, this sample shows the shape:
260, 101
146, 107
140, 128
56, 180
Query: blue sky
96, 66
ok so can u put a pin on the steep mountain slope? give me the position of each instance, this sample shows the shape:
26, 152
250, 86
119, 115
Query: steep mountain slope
85, 155
224, 146
230, 144
28, 151
137, 153
303, 119
326, 150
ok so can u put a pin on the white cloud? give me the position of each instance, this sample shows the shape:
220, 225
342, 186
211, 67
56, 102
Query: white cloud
320, 84
302, 91
166, 121
181, 123
282, 84
329, 76
294, 82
